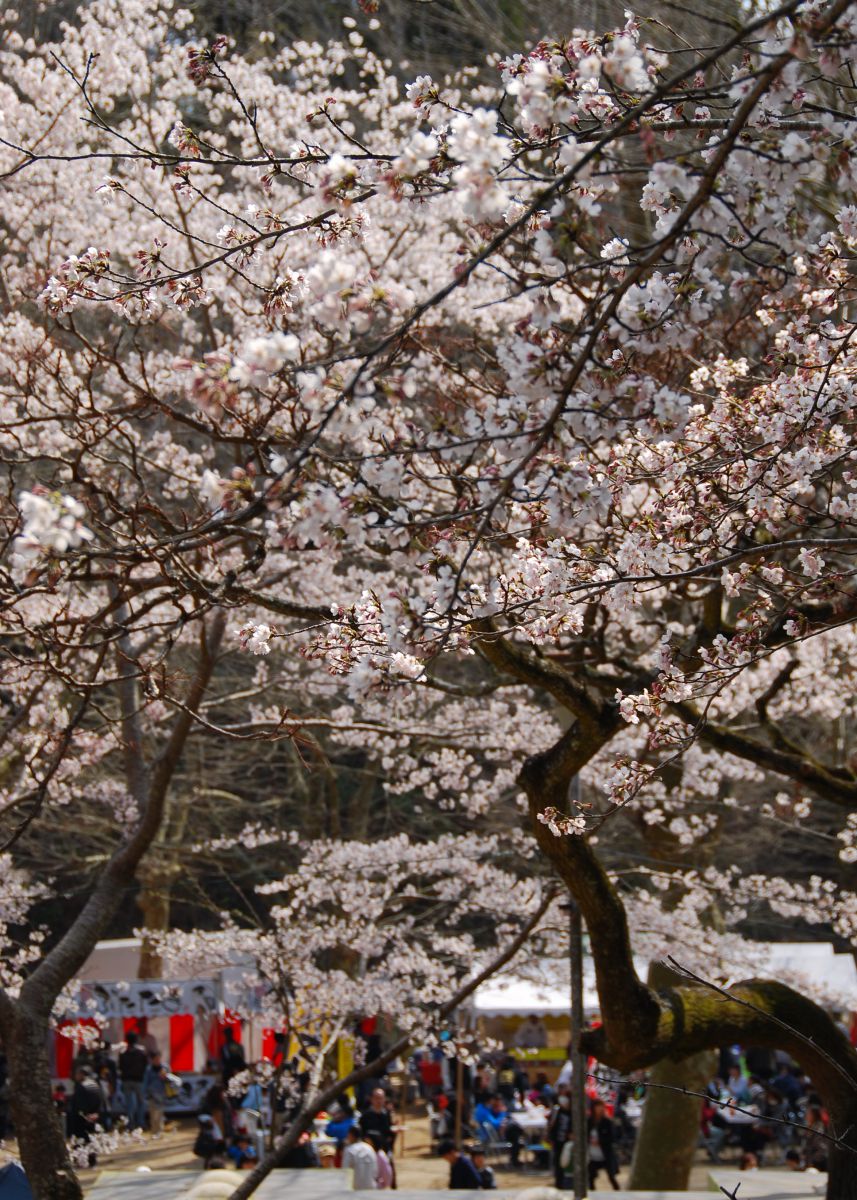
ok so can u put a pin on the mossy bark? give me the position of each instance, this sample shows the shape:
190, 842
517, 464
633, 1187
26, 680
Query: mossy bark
643, 1025
669, 1134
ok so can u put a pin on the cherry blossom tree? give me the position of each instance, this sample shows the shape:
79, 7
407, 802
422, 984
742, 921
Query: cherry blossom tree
387, 385
395, 929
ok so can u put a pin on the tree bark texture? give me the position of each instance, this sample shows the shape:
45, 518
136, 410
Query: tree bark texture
669, 1134
38, 1125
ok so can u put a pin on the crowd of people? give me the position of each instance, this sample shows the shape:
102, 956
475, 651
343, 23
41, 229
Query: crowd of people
760, 1105
359, 1140
133, 1088
765, 1107
504, 1114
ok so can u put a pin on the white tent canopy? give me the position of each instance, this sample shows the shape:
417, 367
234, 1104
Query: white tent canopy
813, 967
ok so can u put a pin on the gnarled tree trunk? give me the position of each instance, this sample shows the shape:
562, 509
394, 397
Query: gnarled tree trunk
669, 1134
38, 1125
25, 1022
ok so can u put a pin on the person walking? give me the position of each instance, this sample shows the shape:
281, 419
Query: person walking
360, 1158
602, 1153
462, 1172
132, 1069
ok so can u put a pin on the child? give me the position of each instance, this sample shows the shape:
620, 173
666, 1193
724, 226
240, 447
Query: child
241, 1152
486, 1174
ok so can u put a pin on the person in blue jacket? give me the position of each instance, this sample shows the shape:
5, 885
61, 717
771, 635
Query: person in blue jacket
13, 1183
339, 1125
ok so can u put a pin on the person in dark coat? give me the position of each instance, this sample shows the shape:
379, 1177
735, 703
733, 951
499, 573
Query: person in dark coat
13, 1183
232, 1059
376, 1121
559, 1133
132, 1067
602, 1152
486, 1174
462, 1172
84, 1111
86, 1104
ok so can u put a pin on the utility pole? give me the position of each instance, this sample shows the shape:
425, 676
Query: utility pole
459, 1096
578, 1059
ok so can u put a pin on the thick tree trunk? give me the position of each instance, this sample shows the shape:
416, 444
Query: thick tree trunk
669, 1135
842, 1176
25, 1023
38, 1126
153, 901
664, 1153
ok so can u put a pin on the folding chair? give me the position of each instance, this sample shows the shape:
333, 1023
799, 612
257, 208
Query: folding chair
494, 1145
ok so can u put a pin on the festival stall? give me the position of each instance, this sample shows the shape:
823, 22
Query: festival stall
186, 1019
501, 1006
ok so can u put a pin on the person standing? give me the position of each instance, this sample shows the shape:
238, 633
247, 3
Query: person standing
377, 1122
559, 1134
360, 1158
132, 1069
462, 1172
602, 1153
531, 1034
84, 1112
108, 1093
155, 1090
385, 1176
232, 1058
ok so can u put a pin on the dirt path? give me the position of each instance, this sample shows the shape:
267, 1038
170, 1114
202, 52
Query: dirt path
416, 1168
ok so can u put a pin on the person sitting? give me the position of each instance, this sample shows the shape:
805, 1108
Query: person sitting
216, 1105
787, 1085
793, 1161
360, 1158
486, 1174
494, 1119
736, 1085
241, 1152
14, 1182
541, 1091
732, 1119
254, 1097
462, 1172
302, 1156
327, 1156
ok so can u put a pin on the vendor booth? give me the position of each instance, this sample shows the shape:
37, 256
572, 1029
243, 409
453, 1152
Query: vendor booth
185, 1019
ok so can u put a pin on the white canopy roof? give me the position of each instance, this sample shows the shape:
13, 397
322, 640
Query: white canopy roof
813, 967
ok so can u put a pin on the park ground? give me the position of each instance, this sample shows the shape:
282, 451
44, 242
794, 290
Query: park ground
416, 1166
